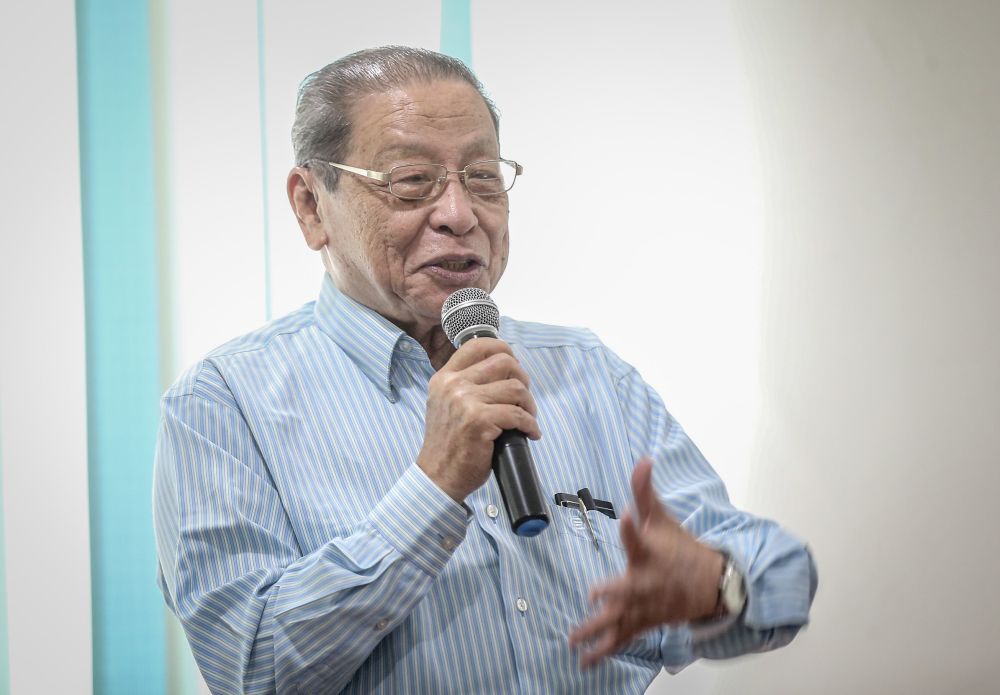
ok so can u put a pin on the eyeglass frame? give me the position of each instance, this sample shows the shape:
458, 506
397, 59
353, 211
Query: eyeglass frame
383, 176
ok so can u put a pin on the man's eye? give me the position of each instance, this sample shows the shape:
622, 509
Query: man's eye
414, 178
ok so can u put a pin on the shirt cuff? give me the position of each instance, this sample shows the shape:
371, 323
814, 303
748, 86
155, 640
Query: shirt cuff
707, 629
677, 648
421, 521
779, 583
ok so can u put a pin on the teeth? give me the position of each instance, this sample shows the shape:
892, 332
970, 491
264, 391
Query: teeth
455, 265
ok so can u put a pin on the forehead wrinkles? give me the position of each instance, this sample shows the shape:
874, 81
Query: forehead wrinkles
388, 119
370, 119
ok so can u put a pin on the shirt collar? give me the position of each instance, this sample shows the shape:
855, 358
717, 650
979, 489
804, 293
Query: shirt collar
368, 338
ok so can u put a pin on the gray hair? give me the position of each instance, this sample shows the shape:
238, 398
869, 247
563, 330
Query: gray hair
322, 128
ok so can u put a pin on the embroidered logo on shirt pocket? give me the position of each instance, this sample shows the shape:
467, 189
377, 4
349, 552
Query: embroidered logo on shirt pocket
571, 521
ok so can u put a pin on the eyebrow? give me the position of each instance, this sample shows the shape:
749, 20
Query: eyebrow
403, 151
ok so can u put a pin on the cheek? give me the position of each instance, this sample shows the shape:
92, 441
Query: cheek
398, 242
500, 233
379, 251
500, 251
503, 245
504, 252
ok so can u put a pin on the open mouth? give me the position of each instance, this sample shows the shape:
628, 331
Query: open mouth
456, 266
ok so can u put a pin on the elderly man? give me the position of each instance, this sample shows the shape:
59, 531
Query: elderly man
325, 515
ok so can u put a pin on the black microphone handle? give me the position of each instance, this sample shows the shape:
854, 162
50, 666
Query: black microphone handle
519, 485
515, 472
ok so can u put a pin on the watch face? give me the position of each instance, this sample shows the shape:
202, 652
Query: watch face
733, 592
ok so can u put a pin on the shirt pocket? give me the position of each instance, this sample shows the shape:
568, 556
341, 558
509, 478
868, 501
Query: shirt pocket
585, 564
571, 521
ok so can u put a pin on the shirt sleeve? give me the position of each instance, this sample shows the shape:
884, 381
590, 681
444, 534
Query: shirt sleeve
779, 571
260, 616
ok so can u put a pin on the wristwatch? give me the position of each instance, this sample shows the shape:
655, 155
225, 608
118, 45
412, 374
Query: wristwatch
732, 590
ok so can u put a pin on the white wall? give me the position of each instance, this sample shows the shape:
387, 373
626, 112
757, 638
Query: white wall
210, 153
878, 440
43, 407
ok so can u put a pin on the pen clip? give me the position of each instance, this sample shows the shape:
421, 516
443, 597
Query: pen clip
566, 499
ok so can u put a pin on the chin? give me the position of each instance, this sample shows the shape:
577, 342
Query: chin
429, 308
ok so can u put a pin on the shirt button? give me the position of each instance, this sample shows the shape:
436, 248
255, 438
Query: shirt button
522, 605
448, 543
492, 511
404, 346
382, 624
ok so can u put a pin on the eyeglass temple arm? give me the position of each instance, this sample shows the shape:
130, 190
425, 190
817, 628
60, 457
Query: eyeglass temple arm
384, 176
377, 175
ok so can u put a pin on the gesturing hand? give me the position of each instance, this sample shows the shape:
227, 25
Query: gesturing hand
670, 577
480, 392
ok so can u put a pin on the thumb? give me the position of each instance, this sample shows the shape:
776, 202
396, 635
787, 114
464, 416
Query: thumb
630, 537
647, 506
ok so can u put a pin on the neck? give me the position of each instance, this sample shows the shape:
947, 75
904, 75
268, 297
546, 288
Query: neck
431, 337
435, 343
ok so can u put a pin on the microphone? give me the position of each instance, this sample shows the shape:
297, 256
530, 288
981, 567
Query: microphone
471, 313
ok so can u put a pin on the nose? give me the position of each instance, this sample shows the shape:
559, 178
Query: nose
453, 209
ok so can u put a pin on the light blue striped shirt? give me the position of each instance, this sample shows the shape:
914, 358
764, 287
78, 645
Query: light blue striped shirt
304, 551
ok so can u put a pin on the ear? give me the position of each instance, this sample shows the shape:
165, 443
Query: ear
300, 186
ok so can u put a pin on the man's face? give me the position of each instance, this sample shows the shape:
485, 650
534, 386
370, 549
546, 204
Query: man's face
403, 258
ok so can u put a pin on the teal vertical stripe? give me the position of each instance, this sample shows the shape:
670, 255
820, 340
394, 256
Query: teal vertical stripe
4, 648
120, 283
456, 29
265, 192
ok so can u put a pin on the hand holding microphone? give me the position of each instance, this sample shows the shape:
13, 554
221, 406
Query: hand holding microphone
480, 398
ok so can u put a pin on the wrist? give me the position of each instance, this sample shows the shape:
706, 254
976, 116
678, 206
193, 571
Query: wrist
709, 597
438, 475
731, 594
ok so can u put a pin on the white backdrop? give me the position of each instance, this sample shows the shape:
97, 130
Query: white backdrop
43, 401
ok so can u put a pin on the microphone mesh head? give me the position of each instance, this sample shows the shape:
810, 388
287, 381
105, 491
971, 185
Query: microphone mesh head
466, 308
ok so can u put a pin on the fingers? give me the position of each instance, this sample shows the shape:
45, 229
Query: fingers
601, 633
510, 417
505, 404
496, 367
587, 631
476, 351
488, 374
510, 391
480, 392
617, 590
648, 506
642, 490
607, 631
630, 537
605, 647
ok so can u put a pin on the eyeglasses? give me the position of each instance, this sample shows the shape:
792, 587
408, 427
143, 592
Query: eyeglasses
419, 181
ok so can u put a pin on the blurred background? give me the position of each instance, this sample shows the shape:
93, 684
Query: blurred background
783, 213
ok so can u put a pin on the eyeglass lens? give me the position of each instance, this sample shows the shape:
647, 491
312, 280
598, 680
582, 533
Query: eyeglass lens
415, 181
